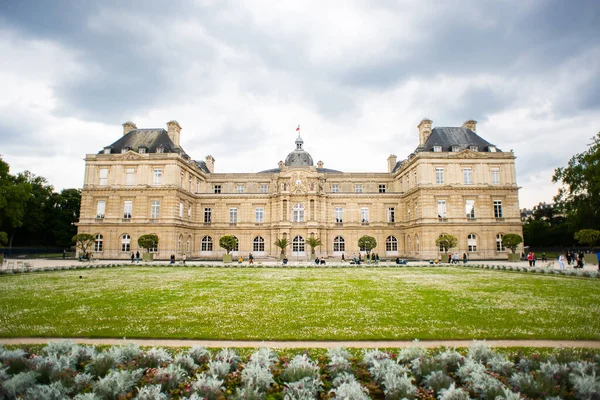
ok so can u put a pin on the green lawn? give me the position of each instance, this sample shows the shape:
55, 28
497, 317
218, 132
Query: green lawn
299, 304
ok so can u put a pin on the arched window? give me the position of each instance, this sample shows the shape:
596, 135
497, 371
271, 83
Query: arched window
298, 213
417, 245
339, 244
499, 246
258, 245
98, 243
298, 244
391, 243
472, 242
206, 244
125, 242
442, 248
237, 244
408, 244
179, 241
188, 245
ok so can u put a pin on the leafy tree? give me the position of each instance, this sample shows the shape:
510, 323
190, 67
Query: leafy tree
149, 241
588, 237
228, 242
83, 241
579, 197
39, 210
368, 243
446, 241
14, 192
313, 242
282, 244
3, 238
66, 212
511, 241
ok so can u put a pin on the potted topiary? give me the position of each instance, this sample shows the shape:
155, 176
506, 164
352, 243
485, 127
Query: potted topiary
367, 243
148, 242
512, 241
228, 242
588, 237
446, 241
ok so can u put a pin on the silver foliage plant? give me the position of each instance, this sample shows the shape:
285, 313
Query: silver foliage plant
207, 386
300, 367
305, 388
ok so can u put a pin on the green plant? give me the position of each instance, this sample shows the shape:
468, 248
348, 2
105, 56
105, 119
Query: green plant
149, 241
83, 241
446, 241
282, 244
587, 237
228, 242
313, 242
511, 241
367, 243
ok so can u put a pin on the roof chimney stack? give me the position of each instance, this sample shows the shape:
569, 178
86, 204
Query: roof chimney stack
424, 130
392, 160
174, 131
128, 127
210, 163
470, 124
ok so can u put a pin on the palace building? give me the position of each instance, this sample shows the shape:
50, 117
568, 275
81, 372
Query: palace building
454, 182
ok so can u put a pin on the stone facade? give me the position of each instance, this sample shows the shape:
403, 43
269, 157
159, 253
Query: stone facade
455, 182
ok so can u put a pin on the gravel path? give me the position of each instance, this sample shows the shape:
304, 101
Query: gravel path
590, 344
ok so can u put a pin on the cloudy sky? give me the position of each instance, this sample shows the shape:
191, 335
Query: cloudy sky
239, 76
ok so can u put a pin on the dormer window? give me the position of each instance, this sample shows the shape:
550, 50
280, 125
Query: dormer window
142, 150
437, 149
455, 149
107, 150
473, 148
160, 149
124, 150
492, 149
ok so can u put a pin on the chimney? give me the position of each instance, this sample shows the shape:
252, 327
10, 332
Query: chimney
128, 127
424, 130
174, 131
210, 163
470, 124
392, 159
320, 164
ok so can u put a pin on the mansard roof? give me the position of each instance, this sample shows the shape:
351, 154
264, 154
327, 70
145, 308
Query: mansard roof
151, 139
202, 166
447, 137
320, 170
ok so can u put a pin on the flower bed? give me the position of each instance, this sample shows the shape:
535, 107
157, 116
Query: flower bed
66, 370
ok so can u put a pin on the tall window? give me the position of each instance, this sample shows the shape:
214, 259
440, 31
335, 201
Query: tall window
264, 188
338, 214
499, 245
339, 244
239, 188
470, 208
495, 176
155, 209
206, 244
335, 188
259, 214
258, 244
408, 212
197, 185
358, 188
98, 243
416, 210
364, 215
100, 208
190, 184
180, 210
127, 209
207, 215
439, 176
129, 176
472, 242
391, 214
441, 209
157, 177
179, 242
468, 176
391, 243
417, 244
188, 244
217, 188
233, 215
498, 208
298, 244
103, 177
153, 249
189, 211
237, 244
125, 242
382, 188
298, 213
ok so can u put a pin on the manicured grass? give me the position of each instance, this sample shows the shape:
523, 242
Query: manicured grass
299, 304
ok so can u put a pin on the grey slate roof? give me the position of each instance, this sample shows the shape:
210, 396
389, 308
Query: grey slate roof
151, 139
321, 170
452, 136
202, 166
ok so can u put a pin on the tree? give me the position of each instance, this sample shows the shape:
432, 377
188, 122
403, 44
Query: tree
228, 242
83, 241
14, 192
149, 241
313, 242
282, 244
587, 237
446, 241
511, 241
3, 238
579, 197
66, 213
367, 243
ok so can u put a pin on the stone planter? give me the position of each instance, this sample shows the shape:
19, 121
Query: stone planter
514, 257
444, 257
227, 258
147, 257
590, 259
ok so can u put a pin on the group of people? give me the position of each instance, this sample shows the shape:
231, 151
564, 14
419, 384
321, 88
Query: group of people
455, 258
320, 261
374, 257
135, 257
250, 259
